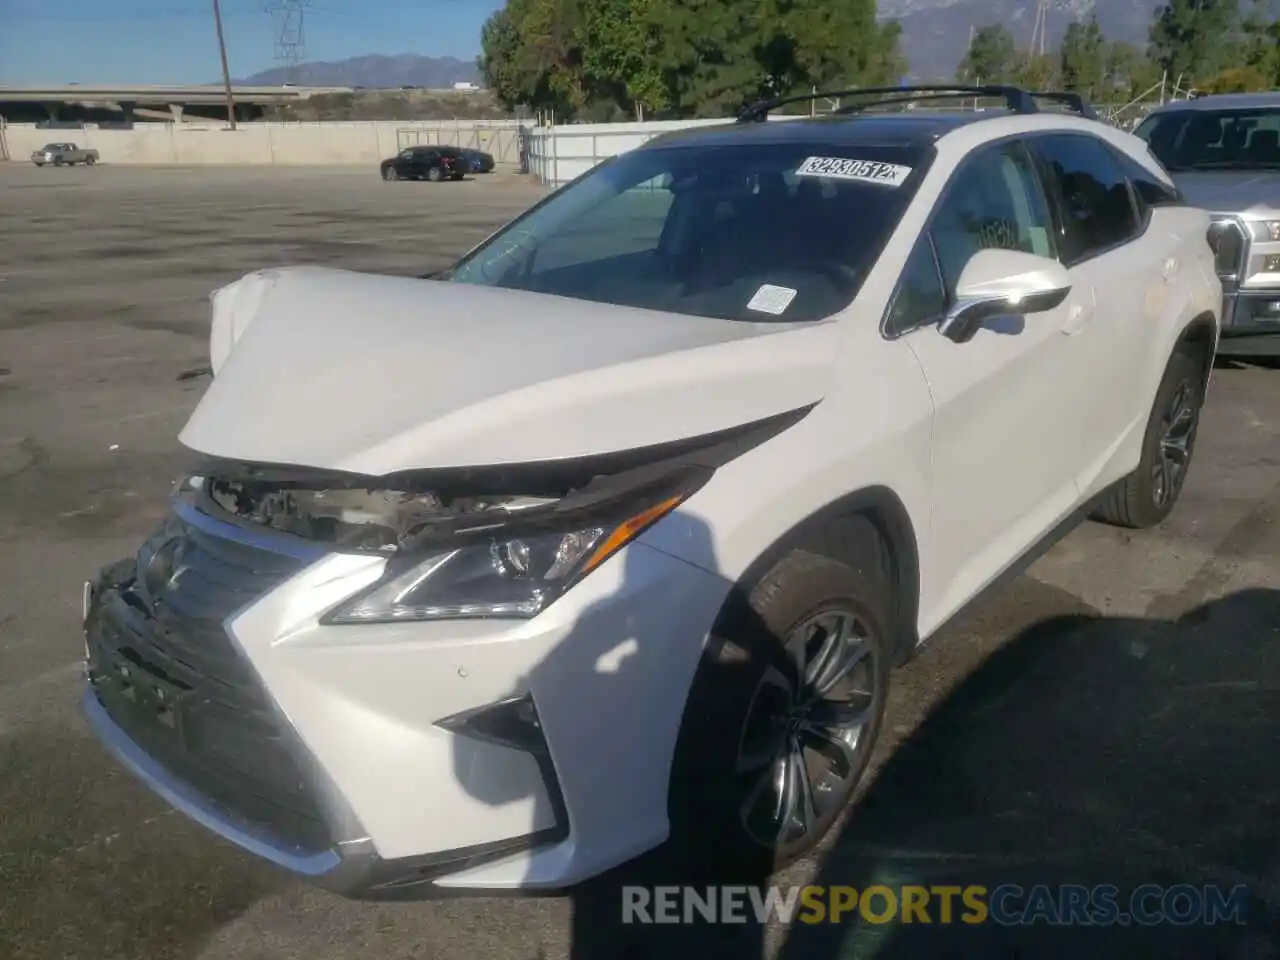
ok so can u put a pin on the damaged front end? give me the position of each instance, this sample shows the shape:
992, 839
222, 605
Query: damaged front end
500, 541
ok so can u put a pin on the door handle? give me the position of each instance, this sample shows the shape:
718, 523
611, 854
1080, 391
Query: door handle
1076, 316
1170, 270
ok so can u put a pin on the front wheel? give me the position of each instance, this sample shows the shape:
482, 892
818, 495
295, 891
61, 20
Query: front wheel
434, 175
389, 174
1148, 495
785, 710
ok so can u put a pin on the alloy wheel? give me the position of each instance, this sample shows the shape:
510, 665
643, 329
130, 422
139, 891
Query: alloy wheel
1177, 435
806, 736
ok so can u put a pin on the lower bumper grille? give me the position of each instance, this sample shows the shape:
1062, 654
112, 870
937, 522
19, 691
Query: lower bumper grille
167, 674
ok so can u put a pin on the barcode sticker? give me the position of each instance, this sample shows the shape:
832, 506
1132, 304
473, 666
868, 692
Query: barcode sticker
864, 171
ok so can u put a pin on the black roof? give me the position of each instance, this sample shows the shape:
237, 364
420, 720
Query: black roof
907, 129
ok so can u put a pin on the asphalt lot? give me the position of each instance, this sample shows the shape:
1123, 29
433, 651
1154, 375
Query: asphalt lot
1112, 717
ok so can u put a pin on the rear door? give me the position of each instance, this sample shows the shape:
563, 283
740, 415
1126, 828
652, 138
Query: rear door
1007, 401
1103, 244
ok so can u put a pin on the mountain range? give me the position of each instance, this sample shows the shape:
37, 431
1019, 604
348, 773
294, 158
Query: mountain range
935, 35
404, 70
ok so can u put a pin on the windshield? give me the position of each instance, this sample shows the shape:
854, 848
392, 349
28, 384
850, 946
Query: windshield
1215, 140
759, 232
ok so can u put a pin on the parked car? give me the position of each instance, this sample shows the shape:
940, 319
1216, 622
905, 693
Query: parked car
481, 162
426, 163
1224, 154
616, 530
63, 154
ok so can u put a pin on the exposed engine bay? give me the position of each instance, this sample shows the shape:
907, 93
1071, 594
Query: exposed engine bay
382, 521
396, 513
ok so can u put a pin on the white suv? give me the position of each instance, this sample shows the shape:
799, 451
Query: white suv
616, 530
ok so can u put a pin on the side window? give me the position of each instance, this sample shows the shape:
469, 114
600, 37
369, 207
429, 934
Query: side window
1150, 190
994, 201
1098, 210
920, 297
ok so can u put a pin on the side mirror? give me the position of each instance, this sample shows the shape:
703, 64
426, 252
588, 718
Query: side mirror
1003, 282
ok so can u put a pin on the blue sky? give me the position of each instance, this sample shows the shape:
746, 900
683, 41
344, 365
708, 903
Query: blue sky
173, 41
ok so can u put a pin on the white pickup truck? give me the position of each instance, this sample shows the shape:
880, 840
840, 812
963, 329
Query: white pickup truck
60, 154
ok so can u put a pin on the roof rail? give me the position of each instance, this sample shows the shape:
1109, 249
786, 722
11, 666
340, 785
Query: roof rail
1072, 100
1018, 100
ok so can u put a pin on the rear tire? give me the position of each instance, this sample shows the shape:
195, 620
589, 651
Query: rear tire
1148, 495
750, 718
434, 175
90, 161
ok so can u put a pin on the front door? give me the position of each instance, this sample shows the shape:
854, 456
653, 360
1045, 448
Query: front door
1006, 402
1102, 244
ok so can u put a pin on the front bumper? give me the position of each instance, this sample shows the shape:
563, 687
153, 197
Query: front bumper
321, 748
1250, 323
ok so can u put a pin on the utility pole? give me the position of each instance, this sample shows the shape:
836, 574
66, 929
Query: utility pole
226, 71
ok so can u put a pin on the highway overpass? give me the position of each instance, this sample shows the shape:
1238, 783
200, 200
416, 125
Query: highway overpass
72, 101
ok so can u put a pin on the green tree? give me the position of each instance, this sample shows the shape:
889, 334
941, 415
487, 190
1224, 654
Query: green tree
1082, 58
621, 52
1194, 39
680, 58
992, 58
1260, 46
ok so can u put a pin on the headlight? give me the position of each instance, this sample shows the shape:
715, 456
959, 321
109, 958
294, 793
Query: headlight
517, 571
1265, 231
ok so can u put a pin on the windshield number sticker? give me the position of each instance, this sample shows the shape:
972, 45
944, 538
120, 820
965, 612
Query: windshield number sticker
864, 171
771, 299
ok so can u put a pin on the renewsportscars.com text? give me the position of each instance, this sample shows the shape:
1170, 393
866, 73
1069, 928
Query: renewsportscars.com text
1007, 904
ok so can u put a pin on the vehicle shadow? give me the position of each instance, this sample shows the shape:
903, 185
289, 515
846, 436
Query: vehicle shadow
1087, 750
1090, 751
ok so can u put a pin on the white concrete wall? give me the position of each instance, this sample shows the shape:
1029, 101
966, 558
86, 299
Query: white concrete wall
338, 143
559, 154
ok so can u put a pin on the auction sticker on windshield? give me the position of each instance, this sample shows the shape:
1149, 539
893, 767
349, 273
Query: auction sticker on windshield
864, 171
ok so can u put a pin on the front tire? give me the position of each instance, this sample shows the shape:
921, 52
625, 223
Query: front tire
389, 174
434, 175
1148, 495
785, 709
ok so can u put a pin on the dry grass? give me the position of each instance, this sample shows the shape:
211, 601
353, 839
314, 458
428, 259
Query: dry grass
393, 105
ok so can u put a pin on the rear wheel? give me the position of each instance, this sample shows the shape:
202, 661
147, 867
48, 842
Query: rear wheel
435, 175
785, 710
90, 161
1148, 495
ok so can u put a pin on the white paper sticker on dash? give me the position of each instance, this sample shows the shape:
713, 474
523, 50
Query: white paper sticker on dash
864, 171
771, 299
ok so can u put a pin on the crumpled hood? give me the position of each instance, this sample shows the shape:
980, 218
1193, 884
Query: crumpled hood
1231, 191
373, 374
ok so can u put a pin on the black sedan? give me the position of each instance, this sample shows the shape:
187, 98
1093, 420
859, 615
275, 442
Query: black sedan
481, 162
427, 163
